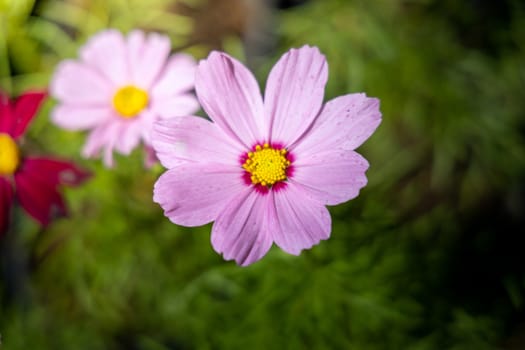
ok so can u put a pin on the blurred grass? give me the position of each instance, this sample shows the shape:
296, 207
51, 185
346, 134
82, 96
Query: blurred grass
429, 256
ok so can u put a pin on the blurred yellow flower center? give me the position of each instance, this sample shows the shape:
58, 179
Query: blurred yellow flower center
266, 165
130, 101
9, 155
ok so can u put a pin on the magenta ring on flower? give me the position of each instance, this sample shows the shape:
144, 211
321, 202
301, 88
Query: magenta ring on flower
263, 169
267, 167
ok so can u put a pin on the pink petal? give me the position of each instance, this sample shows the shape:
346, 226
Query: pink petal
178, 77
344, 123
331, 177
25, 109
95, 141
175, 106
80, 117
145, 123
118, 134
38, 197
195, 194
56, 172
76, 83
106, 53
299, 221
149, 157
147, 57
192, 139
107, 156
241, 231
294, 93
103, 137
6, 201
129, 136
229, 94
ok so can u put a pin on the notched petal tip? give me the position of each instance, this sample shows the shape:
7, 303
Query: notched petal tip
214, 58
242, 261
294, 92
214, 55
231, 97
373, 104
300, 222
104, 33
240, 231
97, 42
307, 50
306, 47
162, 199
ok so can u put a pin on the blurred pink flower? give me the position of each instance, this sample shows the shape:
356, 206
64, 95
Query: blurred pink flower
119, 87
263, 171
33, 182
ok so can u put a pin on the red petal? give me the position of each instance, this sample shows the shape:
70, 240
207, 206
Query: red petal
56, 172
38, 196
25, 109
6, 201
7, 119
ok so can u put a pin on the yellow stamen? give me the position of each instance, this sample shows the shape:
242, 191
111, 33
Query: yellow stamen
130, 101
266, 165
9, 155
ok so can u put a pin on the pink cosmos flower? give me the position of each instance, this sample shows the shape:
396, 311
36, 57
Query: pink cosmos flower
119, 87
263, 170
34, 182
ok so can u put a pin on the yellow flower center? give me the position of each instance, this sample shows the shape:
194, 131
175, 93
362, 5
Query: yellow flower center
130, 100
9, 155
266, 165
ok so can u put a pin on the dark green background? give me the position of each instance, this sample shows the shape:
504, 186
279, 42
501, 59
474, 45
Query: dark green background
429, 256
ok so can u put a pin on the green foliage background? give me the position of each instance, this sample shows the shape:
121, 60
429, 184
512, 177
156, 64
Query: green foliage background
429, 256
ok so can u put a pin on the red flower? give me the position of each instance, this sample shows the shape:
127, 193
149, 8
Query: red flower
32, 181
